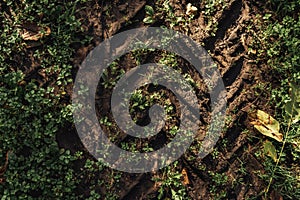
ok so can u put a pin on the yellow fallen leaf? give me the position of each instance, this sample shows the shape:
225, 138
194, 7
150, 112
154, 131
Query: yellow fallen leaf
267, 125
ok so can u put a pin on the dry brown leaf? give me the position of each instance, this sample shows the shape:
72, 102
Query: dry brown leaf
2, 180
190, 9
185, 180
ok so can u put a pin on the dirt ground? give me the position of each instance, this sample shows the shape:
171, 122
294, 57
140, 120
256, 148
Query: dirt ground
229, 48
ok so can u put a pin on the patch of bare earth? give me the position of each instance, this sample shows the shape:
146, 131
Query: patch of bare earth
241, 73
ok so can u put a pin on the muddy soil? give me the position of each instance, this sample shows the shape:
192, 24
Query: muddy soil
229, 48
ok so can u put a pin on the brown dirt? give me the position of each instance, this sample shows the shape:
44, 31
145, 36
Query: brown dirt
240, 72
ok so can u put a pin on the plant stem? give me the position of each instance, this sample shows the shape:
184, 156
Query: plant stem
279, 157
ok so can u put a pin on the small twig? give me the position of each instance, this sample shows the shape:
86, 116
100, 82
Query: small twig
4, 167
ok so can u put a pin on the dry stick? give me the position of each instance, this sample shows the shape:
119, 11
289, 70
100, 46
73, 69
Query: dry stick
4, 167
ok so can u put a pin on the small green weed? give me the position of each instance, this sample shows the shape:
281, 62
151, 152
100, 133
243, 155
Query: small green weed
281, 41
171, 184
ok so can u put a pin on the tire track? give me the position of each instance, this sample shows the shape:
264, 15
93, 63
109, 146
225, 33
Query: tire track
229, 49
228, 18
